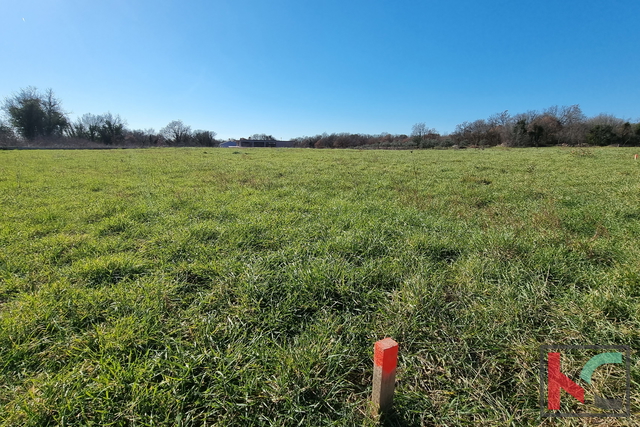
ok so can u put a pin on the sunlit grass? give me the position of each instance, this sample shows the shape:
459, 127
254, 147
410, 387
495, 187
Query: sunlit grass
193, 286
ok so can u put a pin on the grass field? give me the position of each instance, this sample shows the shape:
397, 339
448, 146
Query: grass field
218, 287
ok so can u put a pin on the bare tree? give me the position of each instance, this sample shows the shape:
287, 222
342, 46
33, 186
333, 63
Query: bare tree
419, 130
55, 119
574, 128
142, 137
570, 114
502, 125
261, 137
176, 132
205, 138
153, 137
479, 133
106, 128
86, 127
499, 119
607, 120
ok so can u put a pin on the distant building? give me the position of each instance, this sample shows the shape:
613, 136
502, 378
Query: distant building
229, 144
257, 143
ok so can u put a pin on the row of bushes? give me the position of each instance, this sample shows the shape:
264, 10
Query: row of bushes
553, 126
36, 119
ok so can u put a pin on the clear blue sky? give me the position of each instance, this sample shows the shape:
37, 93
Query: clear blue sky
301, 67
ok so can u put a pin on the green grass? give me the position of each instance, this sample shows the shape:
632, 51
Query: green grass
216, 287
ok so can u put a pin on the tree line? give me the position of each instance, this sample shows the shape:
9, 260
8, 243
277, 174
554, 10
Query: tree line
36, 118
553, 126
565, 125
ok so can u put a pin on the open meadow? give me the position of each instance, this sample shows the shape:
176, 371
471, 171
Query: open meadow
170, 287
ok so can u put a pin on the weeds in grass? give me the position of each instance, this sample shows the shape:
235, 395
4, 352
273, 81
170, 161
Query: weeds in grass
582, 152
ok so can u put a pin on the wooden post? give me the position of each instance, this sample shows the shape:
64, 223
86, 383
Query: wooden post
385, 361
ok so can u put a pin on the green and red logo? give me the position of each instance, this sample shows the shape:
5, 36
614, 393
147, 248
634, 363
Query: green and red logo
601, 384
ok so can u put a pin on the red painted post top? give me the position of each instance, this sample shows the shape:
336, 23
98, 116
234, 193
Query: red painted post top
385, 354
